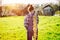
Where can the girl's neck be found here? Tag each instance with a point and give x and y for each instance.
(31, 12)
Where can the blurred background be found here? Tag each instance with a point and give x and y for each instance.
(19, 7)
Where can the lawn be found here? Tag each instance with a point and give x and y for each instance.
(12, 28)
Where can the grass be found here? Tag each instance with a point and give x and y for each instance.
(57, 12)
(12, 28)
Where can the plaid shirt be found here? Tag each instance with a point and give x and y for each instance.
(28, 21)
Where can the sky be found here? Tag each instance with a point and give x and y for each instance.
(29, 1)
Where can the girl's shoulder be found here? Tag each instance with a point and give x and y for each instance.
(27, 16)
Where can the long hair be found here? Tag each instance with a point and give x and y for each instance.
(30, 8)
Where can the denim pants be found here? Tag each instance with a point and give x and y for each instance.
(30, 34)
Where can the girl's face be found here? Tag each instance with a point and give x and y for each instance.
(30, 9)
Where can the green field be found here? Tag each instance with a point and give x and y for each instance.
(12, 28)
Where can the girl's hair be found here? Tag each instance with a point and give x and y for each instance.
(30, 8)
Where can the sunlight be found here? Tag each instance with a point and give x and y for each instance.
(12, 1)
(28, 1)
